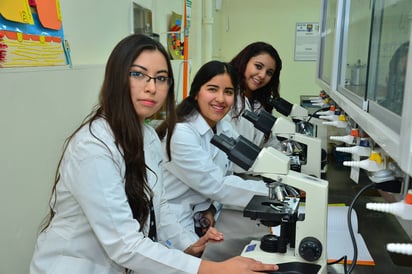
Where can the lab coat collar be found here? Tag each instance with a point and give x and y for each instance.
(149, 134)
(199, 123)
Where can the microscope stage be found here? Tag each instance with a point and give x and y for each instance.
(262, 208)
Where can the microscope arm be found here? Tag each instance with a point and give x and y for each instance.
(268, 165)
(267, 123)
(284, 128)
(310, 239)
(288, 109)
(298, 112)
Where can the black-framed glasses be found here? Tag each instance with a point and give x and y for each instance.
(160, 81)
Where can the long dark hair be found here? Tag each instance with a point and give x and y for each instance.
(239, 63)
(116, 107)
(189, 106)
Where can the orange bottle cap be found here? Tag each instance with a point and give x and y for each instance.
(408, 198)
(355, 132)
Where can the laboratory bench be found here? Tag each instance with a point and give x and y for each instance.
(376, 228)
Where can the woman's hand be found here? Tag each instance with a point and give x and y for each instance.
(209, 215)
(212, 234)
(238, 265)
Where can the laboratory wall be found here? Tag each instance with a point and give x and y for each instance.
(40, 107)
(239, 23)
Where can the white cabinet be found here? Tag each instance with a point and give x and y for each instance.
(365, 67)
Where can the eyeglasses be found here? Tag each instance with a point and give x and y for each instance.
(160, 81)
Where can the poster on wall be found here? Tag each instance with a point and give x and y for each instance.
(175, 41)
(31, 34)
(306, 41)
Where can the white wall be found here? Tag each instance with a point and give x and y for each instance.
(93, 27)
(240, 22)
(39, 108)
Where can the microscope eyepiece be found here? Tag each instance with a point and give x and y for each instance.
(281, 105)
(263, 120)
(240, 151)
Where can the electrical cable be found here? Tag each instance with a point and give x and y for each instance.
(345, 262)
(314, 114)
(352, 235)
(344, 258)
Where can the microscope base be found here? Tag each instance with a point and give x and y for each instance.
(288, 262)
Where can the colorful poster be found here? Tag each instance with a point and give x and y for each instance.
(35, 42)
(175, 40)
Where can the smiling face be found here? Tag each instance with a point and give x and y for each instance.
(215, 98)
(259, 70)
(147, 95)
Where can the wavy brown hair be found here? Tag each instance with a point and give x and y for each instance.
(263, 94)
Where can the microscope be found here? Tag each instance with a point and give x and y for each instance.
(301, 245)
(310, 148)
(297, 113)
(288, 109)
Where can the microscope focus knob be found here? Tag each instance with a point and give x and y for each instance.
(310, 249)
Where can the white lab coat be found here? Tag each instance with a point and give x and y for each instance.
(199, 172)
(93, 230)
(245, 127)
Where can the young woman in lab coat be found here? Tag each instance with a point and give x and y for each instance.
(197, 174)
(258, 68)
(107, 202)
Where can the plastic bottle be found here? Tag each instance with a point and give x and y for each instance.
(373, 163)
(340, 123)
(402, 209)
(319, 98)
(315, 99)
(348, 139)
(331, 111)
(358, 150)
(332, 117)
(321, 103)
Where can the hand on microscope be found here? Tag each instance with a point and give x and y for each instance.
(204, 220)
(211, 235)
(239, 265)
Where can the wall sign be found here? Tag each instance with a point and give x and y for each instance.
(306, 41)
